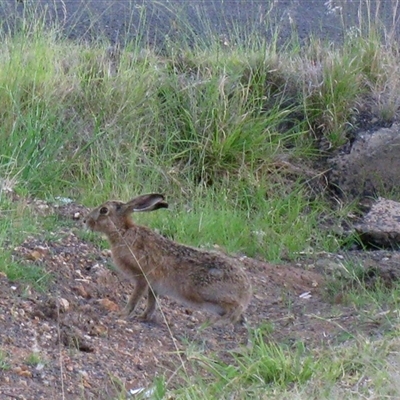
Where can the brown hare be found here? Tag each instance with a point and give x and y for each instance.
(196, 278)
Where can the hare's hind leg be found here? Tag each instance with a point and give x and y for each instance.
(138, 292)
(233, 314)
(236, 317)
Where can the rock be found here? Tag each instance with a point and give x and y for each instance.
(68, 209)
(81, 291)
(381, 225)
(329, 266)
(98, 330)
(42, 208)
(371, 167)
(38, 254)
(23, 371)
(72, 337)
(109, 305)
(64, 304)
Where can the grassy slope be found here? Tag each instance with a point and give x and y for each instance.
(218, 128)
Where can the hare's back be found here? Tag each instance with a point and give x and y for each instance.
(215, 272)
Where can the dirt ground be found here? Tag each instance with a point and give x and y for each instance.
(83, 349)
(154, 21)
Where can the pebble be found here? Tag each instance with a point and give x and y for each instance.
(64, 304)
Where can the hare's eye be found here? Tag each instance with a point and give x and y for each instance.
(103, 210)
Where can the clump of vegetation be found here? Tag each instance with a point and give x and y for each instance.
(222, 130)
(4, 365)
(34, 359)
(269, 370)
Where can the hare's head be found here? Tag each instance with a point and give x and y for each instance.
(116, 215)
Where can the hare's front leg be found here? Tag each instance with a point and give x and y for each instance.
(138, 292)
(151, 305)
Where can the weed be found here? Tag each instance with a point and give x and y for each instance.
(34, 275)
(268, 370)
(4, 365)
(34, 359)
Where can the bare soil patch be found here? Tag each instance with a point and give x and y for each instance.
(87, 351)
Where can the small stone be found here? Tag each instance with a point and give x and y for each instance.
(37, 254)
(327, 265)
(39, 367)
(84, 374)
(81, 291)
(64, 304)
(106, 253)
(22, 371)
(69, 367)
(98, 330)
(109, 305)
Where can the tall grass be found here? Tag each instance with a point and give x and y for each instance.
(209, 123)
(274, 371)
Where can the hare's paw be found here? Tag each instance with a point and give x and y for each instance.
(125, 312)
(147, 317)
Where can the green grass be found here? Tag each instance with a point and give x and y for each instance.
(4, 365)
(375, 299)
(18, 222)
(26, 273)
(230, 131)
(194, 119)
(34, 359)
(270, 370)
(230, 220)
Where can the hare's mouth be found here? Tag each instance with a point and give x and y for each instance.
(89, 224)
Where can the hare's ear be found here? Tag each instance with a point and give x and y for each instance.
(146, 202)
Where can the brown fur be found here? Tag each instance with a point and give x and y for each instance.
(196, 278)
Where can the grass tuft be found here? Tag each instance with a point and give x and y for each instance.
(4, 365)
